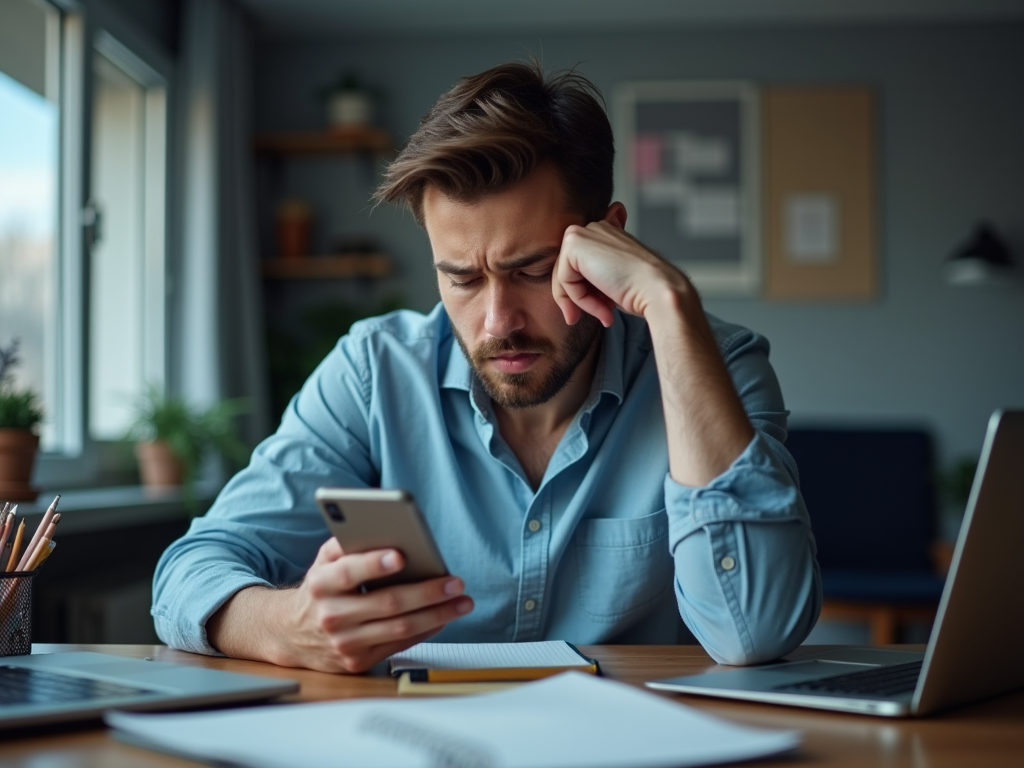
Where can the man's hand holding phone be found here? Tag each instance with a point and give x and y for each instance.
(335, 627)
(385, 589)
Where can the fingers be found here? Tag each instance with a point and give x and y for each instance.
(344, 575)
(353, 630)
(406, 627)
(397, 600)
(574, 293)
(365, 659)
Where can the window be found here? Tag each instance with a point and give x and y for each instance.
(82, 221)
(29, 182)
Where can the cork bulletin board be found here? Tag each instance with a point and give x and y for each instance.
(819, 202)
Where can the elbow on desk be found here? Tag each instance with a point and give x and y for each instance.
(760, 637)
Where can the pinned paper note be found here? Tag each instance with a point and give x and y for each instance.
(811, 228)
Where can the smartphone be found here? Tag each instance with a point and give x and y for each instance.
(364, 519)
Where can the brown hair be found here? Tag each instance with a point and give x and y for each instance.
(493, 129)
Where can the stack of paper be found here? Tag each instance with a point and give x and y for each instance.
(569, 721)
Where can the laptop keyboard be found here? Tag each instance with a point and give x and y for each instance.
(877, 681)
(20, 685)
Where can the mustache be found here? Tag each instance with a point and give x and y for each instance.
(516, 342)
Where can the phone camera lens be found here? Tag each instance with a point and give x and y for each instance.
(335, 512)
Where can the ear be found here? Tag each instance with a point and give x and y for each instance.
(616, 215)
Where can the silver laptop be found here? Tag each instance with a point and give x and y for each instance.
(59, 687)
(980, 611)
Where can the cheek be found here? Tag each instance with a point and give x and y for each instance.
(463, 312)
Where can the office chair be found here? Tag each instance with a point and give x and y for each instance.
(870, 496)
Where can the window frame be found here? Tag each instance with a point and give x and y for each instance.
(76, 460)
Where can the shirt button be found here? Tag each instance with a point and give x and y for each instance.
(728, 563)
(530, 605)
(534, 526)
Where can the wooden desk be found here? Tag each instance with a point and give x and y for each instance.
(986, 734)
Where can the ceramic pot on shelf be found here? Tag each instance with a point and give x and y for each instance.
(293, 225)
(349, 108)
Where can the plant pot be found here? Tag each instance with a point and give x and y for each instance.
(346, 109)
(158, 467)
(18, 448)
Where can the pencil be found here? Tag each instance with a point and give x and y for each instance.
(43, 524)
(37, 555)
(46, 553)
(16, 546)
(52, 527)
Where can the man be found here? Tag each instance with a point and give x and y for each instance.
(596, 457)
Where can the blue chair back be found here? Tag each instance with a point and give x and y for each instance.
(870, 496)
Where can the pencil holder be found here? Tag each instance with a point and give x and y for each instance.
(16, 613)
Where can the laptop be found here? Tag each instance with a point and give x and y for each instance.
(978, 613)
(63, 687)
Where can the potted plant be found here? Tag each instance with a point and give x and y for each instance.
(349, 103)
(173, 439)
(20, 417)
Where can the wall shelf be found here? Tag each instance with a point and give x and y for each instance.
(334, 141)
(321, 267)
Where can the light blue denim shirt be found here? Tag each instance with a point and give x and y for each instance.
(609, 549)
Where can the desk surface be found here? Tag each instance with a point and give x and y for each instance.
(990, 733)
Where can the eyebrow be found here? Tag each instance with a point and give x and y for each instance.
(507, 266)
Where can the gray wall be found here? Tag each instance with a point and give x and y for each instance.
(951, 138)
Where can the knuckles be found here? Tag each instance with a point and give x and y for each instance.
(389, 603)
(402, 628)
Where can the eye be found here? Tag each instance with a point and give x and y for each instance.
(463, 284)
(537, 277)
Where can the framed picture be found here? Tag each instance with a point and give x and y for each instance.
(688, 173)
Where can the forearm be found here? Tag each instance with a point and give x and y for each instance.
(705, 423)
(250, 626)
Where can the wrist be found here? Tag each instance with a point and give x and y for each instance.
(673, 304)
(246, 626)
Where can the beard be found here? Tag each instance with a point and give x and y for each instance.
(530, 388)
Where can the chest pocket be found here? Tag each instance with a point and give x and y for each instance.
(623, 565)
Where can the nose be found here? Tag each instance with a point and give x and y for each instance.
(505, 315)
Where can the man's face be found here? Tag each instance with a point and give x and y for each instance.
(494, 259)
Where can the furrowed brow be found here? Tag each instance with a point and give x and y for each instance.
(454, 269)
(520, 262)
(530, 260)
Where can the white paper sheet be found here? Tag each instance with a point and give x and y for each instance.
(572, 720)
(812, 228)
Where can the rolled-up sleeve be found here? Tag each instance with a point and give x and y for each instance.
(264, 529)
(746, 577)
